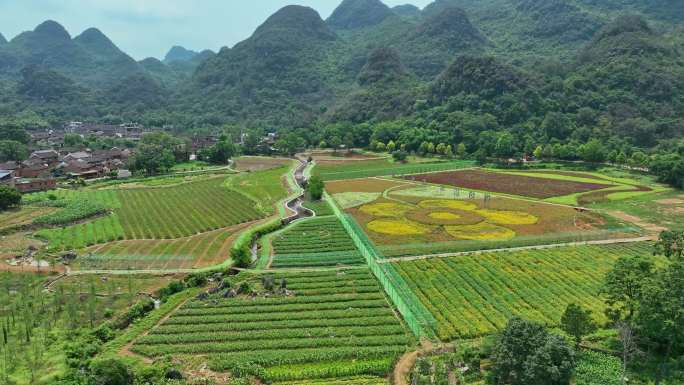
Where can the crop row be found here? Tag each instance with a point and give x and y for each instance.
(376, 367)
(315, 242)
(292, 316)
(188, 209)
(337, 305)
(159, 254)
(475, 295)
(267, 358)
(317, 260)
(269, 344)
(253, 335)
(365, 380)
(336, 324)
(101, 230)
(369, 321)
(277, 301)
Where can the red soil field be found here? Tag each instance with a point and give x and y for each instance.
(507, 184)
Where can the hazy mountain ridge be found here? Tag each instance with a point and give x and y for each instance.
(511, 60)
(355, 14)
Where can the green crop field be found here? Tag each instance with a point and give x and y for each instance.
(384, 167)
(328, 325)
(320, 241)
(171, 212)
(476, 295)
(265, 187)
(198, 251)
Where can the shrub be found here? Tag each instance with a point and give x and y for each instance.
(9, 197)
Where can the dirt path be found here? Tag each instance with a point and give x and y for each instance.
(126, 350)
(404, 367)
(650, 227)
(537, 247)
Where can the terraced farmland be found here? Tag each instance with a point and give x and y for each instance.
(315, 242)
(476, 295)
(198, 251)
(157, 213)
(330, 325)
(188, 209)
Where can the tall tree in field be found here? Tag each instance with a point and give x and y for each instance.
(624, 283)
(577, 322)
(526, 353)
(670, 244)
(315, 188)
(660, 318)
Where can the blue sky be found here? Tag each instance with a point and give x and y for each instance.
(144, 28)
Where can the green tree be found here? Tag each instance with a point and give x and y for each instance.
(538, 152)
(73, 140)
(335, 143)
(152, 159)
(9, 197)
(221, 152)
(556, 125)
(624, 283)
(593, 151)
(111, 372)
(577, 322)
(461, 150)
(670, 244)
(660, 318)
(391, 146)
(315, 188)
(12, 150)
(525, 353)
(505, 146)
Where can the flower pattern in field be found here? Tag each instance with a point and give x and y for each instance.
(460, 219)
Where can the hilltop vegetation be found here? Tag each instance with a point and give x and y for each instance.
(576, 79)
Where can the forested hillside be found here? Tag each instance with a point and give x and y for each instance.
(555, 74)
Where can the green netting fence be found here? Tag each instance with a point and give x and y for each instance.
(419, 319)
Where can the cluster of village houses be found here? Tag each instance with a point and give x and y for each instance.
(54, 160)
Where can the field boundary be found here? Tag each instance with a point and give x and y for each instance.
(416, 316)
(522, 248)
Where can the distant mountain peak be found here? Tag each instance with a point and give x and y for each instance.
(627, 35)
(2, 39)
(384, 64)
(178, 53)
(406, 10)
(296, 18)
(626, 24)
(52, 29)
(93, 38)
(452, 23)
(438, 6)
(355, 14)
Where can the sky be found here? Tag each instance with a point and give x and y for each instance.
(144, 28)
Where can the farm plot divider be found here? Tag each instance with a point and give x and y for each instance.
(417, 317)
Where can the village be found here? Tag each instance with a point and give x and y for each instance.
(53, 158)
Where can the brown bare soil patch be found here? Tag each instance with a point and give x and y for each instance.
(253, 164)
(507, 184)
(670, 202)
(602, 196)
(637, 221)
(371, 185)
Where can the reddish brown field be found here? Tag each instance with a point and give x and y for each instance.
(371, 185)
(252, 164)
(507, 184)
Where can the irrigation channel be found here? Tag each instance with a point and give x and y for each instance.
(295, 205)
